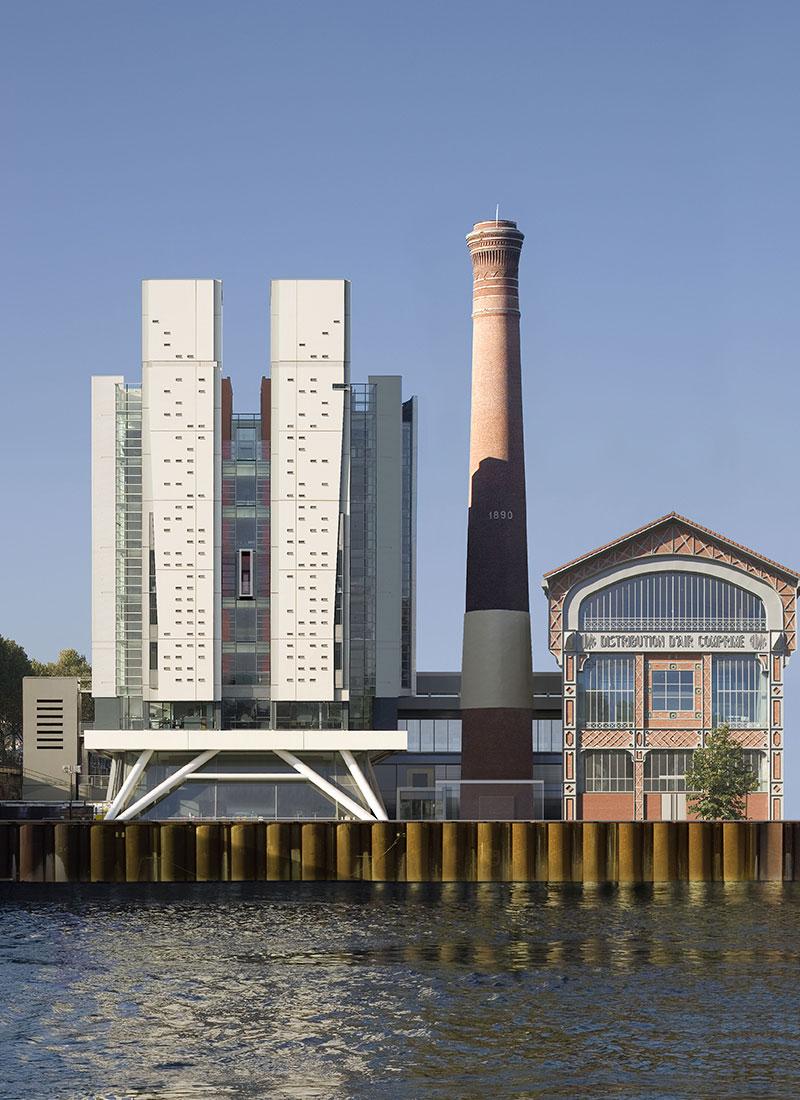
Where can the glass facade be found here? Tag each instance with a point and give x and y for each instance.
(245, 538)
(606, 692)
(409, 537)
(129, 599)
(739, 691)
(188, 716)
(363, 554)
(405, 776)
(672, 601)
(548, 735)
(426, 768)
(432, 734)
(251, 799)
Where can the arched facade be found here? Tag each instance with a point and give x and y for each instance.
(663, 635)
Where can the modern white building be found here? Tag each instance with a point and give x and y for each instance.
(253, 594)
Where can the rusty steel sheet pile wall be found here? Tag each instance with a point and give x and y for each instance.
(412, 851)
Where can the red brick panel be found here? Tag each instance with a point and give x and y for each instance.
(607, 807)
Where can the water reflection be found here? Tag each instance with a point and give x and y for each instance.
(328, 990)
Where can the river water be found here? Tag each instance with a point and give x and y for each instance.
(361, 990)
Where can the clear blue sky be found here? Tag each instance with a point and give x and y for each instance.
(648, 150)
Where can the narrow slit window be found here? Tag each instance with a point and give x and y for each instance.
(245, 572)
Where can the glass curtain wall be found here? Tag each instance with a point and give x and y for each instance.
(363, 553)
(548, 735)
(407, 592)
(432, 734)
(130, 625)
(246, 618)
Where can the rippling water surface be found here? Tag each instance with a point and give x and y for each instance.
(325, 990)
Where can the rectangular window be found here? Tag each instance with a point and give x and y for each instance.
(672, 689)
(606, 692)
(245, 444)
(739, 692)
(245, 575)
(666, 771)
(548, 735)
(756, 761)
(245, 488)
(412, 726)
(440, 739)
(608, 771)
(245, 623)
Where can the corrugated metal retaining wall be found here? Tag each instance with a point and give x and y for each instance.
(414, 851)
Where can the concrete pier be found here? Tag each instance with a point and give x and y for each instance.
(398, 851)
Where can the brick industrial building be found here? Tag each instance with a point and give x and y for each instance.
(662, 635)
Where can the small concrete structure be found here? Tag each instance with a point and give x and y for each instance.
(51, 707)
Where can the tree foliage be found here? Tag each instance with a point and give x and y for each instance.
(71, 663)
(68, 663)
(720, 778)
(14, 664)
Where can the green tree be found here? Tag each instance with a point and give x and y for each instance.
(70, 663)
(14, 664)
(720, 778)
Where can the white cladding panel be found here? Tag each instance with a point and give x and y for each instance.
(104, 617)
(181, 482)
(309, 340)
(181, 319)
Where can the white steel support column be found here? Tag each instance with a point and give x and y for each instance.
(129, 785)
(327, 788)
(168, 785)
(364, 786)
(372, 779)
(113, 776)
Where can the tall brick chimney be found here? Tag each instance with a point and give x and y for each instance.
(497, 673)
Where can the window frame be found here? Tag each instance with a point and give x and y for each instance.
(612, 779)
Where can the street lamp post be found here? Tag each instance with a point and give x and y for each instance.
(72, 769)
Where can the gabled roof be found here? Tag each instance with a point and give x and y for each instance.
(675, 517)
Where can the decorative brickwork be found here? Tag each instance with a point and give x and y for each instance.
(606, 739)
(673, 739)
(638, 785)
(751, 739)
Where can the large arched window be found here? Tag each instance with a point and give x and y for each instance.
(672, 601)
